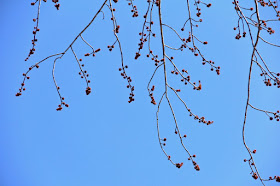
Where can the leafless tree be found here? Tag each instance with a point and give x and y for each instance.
(188, 41)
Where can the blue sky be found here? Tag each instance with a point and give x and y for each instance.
(101, 139)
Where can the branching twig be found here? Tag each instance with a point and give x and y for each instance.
(189, 43)
(270, 78)
(83, 73)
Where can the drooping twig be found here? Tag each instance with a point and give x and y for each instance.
(83, 73)
(161, 62)
(36, 28)
(270, 78)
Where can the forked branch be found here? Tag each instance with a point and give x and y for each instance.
(83, 73)
(165, 61)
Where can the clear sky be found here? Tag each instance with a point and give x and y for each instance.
(101, 139)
